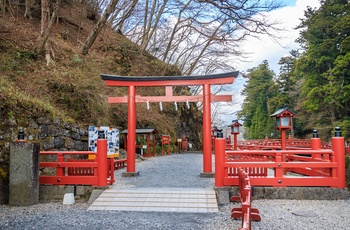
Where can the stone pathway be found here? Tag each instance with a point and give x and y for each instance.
(164, 184)
(195, 200)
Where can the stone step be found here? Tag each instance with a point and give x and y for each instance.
(157, 200)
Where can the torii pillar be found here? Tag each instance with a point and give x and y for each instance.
(169, 81)
(207, 145)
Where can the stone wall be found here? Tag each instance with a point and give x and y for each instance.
(51, 133)
(50, 193)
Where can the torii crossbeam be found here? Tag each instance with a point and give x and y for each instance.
(168, 81)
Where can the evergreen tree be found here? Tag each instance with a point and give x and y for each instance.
(325, 64)
(256, 110)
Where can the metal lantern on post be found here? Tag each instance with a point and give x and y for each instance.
(235, 131)
(214, 132)
(283, 123)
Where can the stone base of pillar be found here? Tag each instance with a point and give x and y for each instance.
(207, 175)
(130, 174)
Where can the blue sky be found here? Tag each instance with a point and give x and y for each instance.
(290, 2)
(265, 48)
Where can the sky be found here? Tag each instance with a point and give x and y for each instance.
(265, 48)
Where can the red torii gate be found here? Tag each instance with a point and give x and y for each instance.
(168, 81)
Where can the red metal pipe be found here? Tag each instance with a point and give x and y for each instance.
(101, 158)
(131, 130)
(339, 154)
(219, 161)
(207, 148)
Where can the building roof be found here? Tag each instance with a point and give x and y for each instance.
(142, 131)
(281, 111)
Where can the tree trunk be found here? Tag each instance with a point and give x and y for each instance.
(152, 28)
(27, 12)
(94, 33)
(47, 31)
(2, 6)
(145, 32)
(45, 15)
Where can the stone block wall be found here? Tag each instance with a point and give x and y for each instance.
(51, 133)
(49, 193)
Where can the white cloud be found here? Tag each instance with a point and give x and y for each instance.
(265, 48)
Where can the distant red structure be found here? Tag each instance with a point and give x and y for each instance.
(165, 141)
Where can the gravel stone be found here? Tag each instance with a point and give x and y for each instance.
(174, 171)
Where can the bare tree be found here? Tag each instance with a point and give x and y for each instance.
(177, 26)
(45, 15)
(128, 8)
(3, 6)
(188, 32)
(94, 33)
(28, 6)
(46, 28)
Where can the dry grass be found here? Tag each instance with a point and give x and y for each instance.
(71, 87)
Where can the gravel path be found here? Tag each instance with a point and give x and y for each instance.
(177, 170)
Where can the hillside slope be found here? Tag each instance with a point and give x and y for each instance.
(70, 86)
(68, 91)
(55, 102)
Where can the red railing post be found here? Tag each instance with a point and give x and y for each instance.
(219, 150)
(338, 147)
(60, 170)
(278, 170)
(101, 158)
(110, 170)
(315, 144)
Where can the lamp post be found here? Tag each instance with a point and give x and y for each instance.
(214, 131)
(283, 123)
(235, 131)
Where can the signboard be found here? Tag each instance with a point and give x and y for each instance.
(104, 132)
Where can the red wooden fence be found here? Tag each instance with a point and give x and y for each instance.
(97, 172)
(325, 167)
(246, 212)
(292, 143)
